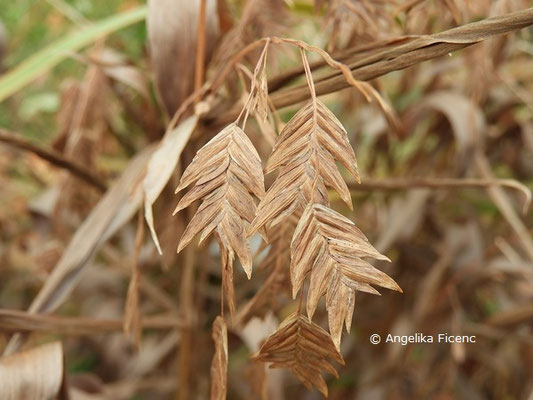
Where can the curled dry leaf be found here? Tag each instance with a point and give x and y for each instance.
(467, 119)
(219, 365)
(305, 153)
(227, 171)
(303, 347)
(34, 374)
(331, 248)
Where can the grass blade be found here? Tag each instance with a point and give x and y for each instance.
(56, 52)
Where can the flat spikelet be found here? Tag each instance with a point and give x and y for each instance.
(330, 248)
(303, 347)
(227, 171)
(306, 153)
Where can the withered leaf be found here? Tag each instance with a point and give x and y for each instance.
(219, 365)
(227, 171)
(114, 210)
(303, 347)
(161, 165)
(33, 374)
(306, 152)
(330, 248)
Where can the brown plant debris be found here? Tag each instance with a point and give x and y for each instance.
(331, 248)
(227, 170)
(305, 153)
(219, 365)
(303, 347)
(33, 374)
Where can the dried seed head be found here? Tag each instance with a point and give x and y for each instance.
(305, 153)
(227, 171)
(303, 347)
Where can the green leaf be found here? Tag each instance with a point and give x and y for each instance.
(56, 52)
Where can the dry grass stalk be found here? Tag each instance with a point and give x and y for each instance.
(21, 321)
(219, 365)
(132, 315)
(53, 157)
(303, 347)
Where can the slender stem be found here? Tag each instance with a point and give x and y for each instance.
(132, 315)
(185, 358)
(397, 57)
(23, 321)
(300, 302)
(310, 83)
(200, 48)
(261, 64)
(54, 158)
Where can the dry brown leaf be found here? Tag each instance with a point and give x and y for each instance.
(219, 365)
(172, 33)
(115, 208)
(403, 218)
(227, 171)
(468, 125)
(303, 347)
(330, 248)
(305, 153)
(161, 165)
(466, 118)
(33, 374)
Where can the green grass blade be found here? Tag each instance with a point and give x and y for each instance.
(54, 53)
